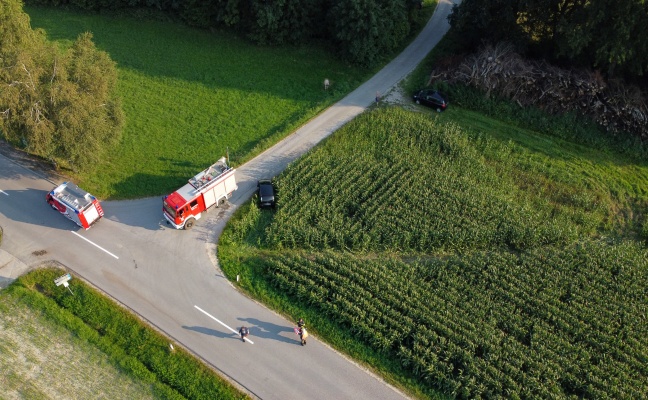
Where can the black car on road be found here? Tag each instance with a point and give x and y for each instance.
(431, 98)
(266, 192)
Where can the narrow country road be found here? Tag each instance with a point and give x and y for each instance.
(171, 278)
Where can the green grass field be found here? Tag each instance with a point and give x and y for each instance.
(190, 95)
(464, 256)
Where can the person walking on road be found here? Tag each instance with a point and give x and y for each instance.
(244, 332)
(303, 334)
(300, 330)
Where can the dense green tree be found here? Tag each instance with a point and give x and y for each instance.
(366, 29)
(87, 117)
(604, 34)
(57, 105)
(475, 22)
(283, 21)
(610, 35)
(25, 59)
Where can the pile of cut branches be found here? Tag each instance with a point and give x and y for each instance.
(499, 70)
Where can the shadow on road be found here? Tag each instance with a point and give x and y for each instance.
(268, 330)
(212, 332)
(39, 213)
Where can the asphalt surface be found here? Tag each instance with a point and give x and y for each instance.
(171, 277)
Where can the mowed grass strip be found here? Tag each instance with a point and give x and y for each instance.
(459, 255)
(88, 322)
(39, 359)
(191, 95)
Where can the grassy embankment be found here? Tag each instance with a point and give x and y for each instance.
(56, 344)
(463, 255)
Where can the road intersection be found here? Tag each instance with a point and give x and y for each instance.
(171, 278)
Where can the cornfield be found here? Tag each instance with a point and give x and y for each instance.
(543, 324)
(401, 230)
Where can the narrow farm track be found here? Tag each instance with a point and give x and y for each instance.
(171, 278)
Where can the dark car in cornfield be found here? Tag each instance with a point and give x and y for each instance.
(431, 98)
(266, 192)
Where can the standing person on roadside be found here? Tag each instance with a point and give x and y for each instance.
(301, 331)
(244, 332)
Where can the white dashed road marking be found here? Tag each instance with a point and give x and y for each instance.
(217, 320)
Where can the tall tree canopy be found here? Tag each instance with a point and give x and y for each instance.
(606, 34)
(364, 29)
(361, 30)
(58, 105)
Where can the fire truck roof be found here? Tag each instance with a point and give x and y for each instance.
(72, 195)
(213, 172)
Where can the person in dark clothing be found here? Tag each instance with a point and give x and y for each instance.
(244, 331)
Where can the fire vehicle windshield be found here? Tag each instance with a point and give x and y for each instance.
(169, 210)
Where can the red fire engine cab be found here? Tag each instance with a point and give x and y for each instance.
(76, 204)
(210, 187)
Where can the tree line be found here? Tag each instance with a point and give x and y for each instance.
(607, 35)
(57, 104)
(361, 31)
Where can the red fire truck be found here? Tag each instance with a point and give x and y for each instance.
(210, 187)
(76, 204)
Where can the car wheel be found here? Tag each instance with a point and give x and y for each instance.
(221, 202)
(190, 223)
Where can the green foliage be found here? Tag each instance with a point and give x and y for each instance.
(466, 317)
(386, 151)
(58, 106)
(365, 29)
(283, 21)
(570, 127)
(603, 34)
(136, 348)
(476, 21)
(189, 96)
(492, 324)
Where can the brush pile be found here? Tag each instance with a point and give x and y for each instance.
(500, 71)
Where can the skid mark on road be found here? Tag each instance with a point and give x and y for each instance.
(217, 320)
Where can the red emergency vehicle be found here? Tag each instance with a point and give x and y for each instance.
(210, 187)
(76, 204)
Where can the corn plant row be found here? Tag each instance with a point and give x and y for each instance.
(421, 189)
(497, 331)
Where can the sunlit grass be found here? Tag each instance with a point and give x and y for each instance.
(190, 96)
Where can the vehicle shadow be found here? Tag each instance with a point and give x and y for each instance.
(15, 202)
(268, 330)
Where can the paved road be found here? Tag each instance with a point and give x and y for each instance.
(171, 278)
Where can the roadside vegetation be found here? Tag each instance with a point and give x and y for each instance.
(461, 255)
(58, 104)
(189, 96)
(56, 344)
